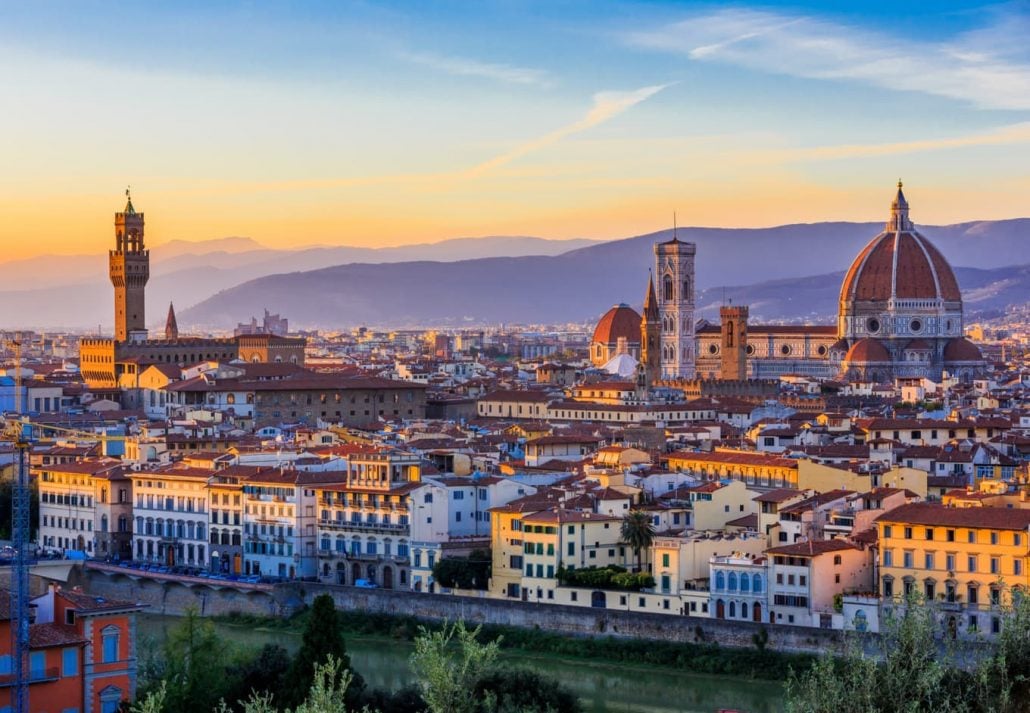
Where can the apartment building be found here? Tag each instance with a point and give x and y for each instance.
(363, 525)
(279, 522)
(76, 511)
(82, 653)
(453, 519)
(972, 561)
(171, 515)
(804, 578)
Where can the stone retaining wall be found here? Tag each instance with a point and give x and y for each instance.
(173, 598)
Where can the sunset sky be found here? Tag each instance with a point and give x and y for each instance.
(383, 124)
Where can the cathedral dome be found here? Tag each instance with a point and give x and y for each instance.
(620, 321)
(900, 265)
(866, 351)
(961, 350)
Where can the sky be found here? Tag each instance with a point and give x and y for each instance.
(376, 124)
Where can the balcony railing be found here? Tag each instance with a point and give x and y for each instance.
(363, 526)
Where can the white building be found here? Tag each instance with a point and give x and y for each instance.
(171, 514)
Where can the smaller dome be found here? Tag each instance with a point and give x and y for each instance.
(621, 365)
(867, 350)
(620, 321)
(841, 345)
(961, 350)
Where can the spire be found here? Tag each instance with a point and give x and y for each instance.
(899, 213)
(129, 210)
(651, 313)
(171, 326)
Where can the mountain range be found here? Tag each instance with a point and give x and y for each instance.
(786, 273)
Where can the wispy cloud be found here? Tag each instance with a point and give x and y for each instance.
(465, 67)
(1005, 135)
(989, 68)
(606, 106)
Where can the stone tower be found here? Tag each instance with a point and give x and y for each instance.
(650, 370)
(734, 342)
(171, 324)
(129, 269)
(674, 266)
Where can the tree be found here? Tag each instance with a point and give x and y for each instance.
(322, 639)
(194, 666)
(522, 691)
(916, 668)
(448, 678)
(472, 572)
(264, 672)
(638, 533)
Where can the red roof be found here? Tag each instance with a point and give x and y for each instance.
(939, 515)
(811, 548)
(901, 265)
(961, 350)
(620, 321)
(867, 350)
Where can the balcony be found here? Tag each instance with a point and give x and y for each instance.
(37, 676)
(364, 526)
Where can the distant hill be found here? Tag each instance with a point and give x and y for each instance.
(244, 259)
(535, 280)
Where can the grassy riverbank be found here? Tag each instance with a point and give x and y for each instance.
(698, 657)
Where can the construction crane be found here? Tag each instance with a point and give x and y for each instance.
(21, 431)
(20, 540)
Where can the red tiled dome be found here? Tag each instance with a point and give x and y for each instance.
(841, 345)
(961, 350)
(901, 265)
(620, 321)
(867, 350)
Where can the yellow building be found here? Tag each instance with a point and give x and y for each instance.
(972, 560)
(757, 469)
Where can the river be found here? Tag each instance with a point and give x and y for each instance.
(603, 687)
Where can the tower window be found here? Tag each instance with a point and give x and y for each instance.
(729, 333)
(667, 288)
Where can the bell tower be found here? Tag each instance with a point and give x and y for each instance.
(650, 369)
(734, 342)
(674, 269)
(129, 268)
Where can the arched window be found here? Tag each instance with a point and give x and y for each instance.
(733, 582)
(743, 610)
(729, 334)
(686, 289)
(667, 288)
(745, 583)
(733, 610)
(756, 581)
(720, 581)
(230, 399)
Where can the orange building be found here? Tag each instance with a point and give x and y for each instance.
(82, 653)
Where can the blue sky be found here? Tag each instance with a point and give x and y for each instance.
(388, 123)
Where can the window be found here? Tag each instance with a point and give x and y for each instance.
(70, 661)
(37, 664)
(928, 561)
(888, 531)
(110, 638)
(929, 533)
(907, 559)
(971, 563)
(908, 533)
(888, 558)
(994, 538)
(665, 559)
(971, 536)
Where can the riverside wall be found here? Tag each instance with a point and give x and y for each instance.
(174, 598)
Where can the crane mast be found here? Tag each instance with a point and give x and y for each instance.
(20, 540)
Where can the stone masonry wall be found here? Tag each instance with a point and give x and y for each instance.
(173, 598)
